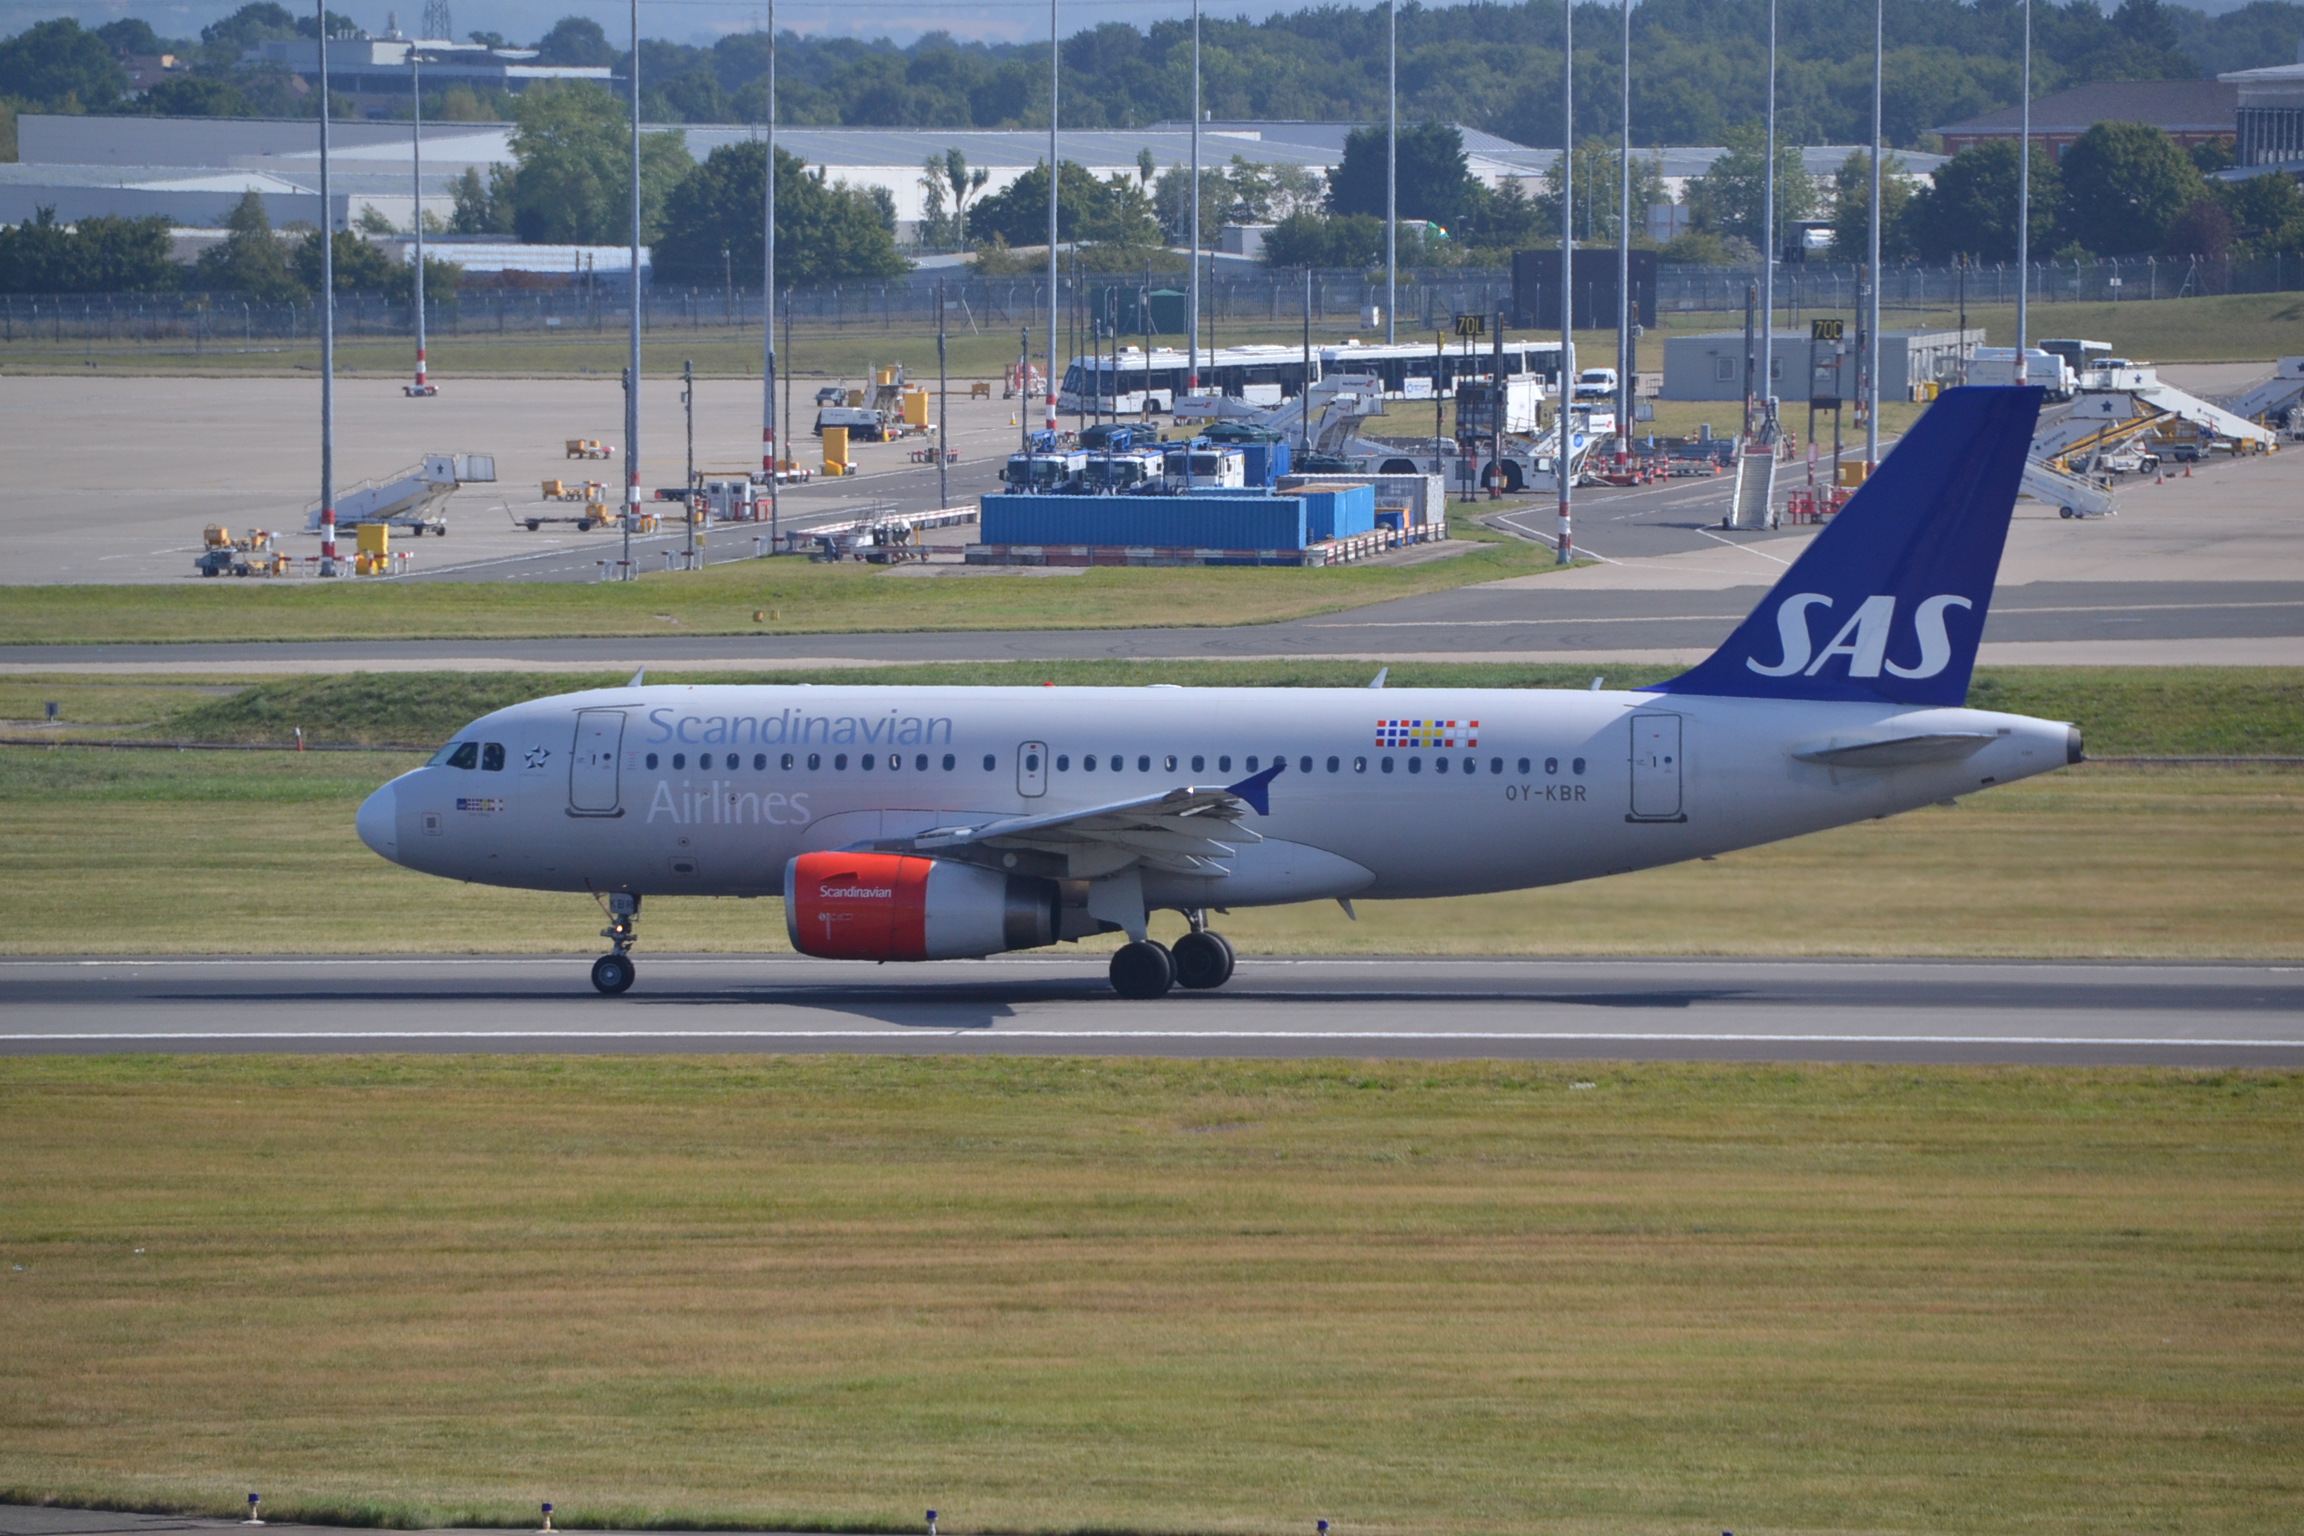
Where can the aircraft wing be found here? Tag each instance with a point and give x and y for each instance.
(1187, 830)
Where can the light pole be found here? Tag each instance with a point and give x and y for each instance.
(1192, 288)
(632, 367)
(768, 450)
(2024, 209)
(1565, 549)
(416, 161)
(1624, 348)
(1391, 166)
(1055, 180)
(688, 407)
(1768, 251)
(943, 409)
(327, 325)
(1872, 259)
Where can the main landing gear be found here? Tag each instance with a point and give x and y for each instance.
(614, 972)
(1201, 959)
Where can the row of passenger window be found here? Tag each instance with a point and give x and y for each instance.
(892, 762)
(1117, 762)
(1111, 762)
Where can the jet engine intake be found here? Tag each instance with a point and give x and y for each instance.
(894, 906)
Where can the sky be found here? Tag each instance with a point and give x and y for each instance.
(703, 21)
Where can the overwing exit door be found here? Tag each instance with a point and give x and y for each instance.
(1656, 768)
(1032, 769)
(592, 766)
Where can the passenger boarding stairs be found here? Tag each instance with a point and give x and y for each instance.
(2112, 393)
(2271, 399)
(410, 498)
(1753, 505)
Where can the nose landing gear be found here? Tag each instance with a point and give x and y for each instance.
(614, 972)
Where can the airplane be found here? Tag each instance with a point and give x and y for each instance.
(903, 823)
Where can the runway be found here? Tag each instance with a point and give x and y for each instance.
(2035, 1012)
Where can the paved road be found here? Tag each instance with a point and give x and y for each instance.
(2233, 1015)
(1500, 621)
(53, 1520)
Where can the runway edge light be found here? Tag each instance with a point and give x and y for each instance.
(546, 1529)
(254, 1499)
(931, 1523)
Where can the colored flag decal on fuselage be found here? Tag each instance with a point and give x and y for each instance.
(1427, 733)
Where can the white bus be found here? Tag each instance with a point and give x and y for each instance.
(1135, 381)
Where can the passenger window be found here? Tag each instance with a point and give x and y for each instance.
(703, 759)
(785, 762)
(1439, 765)
(1387, 765)
(949, 762)
(1088, 763)
(815, 761)
(865, 762)
(1304, 765)
(1415, 765)
(1577, 767)
(759, 762)
(679, 759)
(1251, 762)
(1199, 765)
(1169, 762)
(1063, 762)
(492, 757)
(466, 755)
(1224, 764)
(920, 763)
(1551, 766)
(1359, 765)
(840, 760)
(1143, 763)
(1496, 765)
(1332, 764)
(651, 759)
(989, 762)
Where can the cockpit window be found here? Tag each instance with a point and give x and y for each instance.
(457, 754)
(492, 757)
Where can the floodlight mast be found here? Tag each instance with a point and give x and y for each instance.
(1564, 550)
(1192, 289)
(1624, 309)
(416, 163)
(1872, 259)
(1768, 251)
(2024, 210)
(632, 369)
(327, 328)
(1055, 181)
(1391, 168)
(769, 453)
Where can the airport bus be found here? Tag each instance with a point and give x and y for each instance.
(1133, 381)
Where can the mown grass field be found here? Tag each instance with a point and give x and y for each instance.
(216, 852)
(789, 596)
(1068, 1296)
(2166, 330)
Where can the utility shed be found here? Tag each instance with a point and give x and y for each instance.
(1711, 366)
(1200, 521)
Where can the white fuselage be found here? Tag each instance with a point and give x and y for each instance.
(710, 790)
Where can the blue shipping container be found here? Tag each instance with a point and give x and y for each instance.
(1236, 521)
(1338, 511)
(1265, 462)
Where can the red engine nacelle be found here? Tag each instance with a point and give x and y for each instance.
(893, 906)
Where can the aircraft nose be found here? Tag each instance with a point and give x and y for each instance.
(379, 822)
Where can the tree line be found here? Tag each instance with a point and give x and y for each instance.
(1697, 66)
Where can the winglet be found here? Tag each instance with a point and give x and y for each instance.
(639, 679)
(1381, 674)
(1256, 788)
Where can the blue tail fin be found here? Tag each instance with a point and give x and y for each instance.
(1888, 603)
